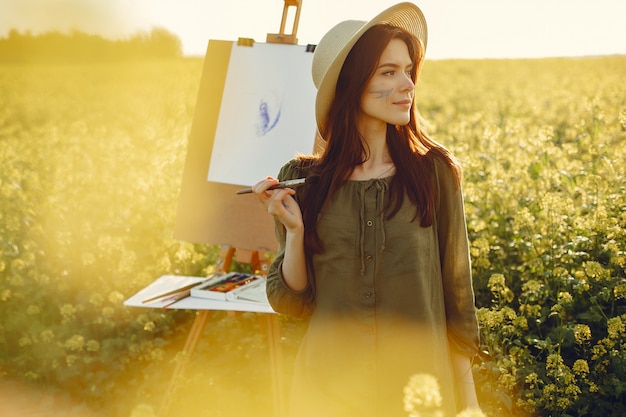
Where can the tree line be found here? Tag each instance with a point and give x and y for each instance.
(78, 46)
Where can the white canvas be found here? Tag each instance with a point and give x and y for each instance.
(267, 114)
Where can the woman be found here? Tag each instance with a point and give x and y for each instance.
(373, 250)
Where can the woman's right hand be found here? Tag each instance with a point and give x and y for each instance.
(280, 204)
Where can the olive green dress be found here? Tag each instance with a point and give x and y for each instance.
(386, 299)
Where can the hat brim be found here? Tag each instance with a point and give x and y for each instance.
(406, 16)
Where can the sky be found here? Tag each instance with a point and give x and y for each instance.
(457, 28)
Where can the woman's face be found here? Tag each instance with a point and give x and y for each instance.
(388, 96)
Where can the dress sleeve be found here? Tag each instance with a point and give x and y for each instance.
(456, 269)
(283, 299)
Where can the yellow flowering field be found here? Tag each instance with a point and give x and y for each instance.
(542, 145)
(91, 158)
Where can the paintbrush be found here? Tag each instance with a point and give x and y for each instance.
(283, 184)
(173, 292)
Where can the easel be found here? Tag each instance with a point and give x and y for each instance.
(259, 264)
(256, 259)
(281, 37)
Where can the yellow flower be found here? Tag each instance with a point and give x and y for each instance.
(581, 367)
(507, 381)
(115, 297)
(108, 311)
(582, 333)
(92, 346)
(31, 376)
(598, 350)
(25, 341)
(96, 299)
(558, 308)
(47, 336)
(71, 359)
(488, 318)
(32, 310)
(532, 286)
(549, 392)
(75, 343)
(533, 311)
(565, 298)
(521, 323)
(496, 282)
(620, 291)
(560, 272)
(479, 250)
(532, 380)
(531, 291)
(554, 363)
(595, 271)
(524, 219)
(616, 327)
(67, 311)
(508, 313)
(572, 390)
(563, 402)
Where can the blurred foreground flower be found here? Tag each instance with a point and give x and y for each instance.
(471, 412)
(422, 397)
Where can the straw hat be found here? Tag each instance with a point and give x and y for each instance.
(333, 48)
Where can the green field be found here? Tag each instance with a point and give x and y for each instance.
(91, 158)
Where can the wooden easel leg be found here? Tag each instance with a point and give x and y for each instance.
(222, 264)
(190, 346)
(276, 363)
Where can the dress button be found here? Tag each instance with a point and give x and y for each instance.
(370, 223)
(368, 294)
(369, 257)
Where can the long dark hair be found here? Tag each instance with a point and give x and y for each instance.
(410, 146)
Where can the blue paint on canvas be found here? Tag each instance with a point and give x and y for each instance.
(268, 117)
